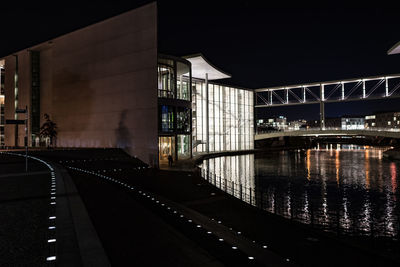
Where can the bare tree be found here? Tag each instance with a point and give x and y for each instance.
(48, 129)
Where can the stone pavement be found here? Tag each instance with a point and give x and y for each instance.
(44, 221)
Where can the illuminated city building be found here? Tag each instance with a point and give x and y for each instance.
(352, 123)
(107, 85)
(383, 120)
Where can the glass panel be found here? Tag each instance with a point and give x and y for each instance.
(166, 79)
(166, 146)
(183, 120)
(166, 124)
(183, 146)
(230, 118)
(183, 80)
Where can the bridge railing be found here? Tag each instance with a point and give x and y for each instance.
(381, 129)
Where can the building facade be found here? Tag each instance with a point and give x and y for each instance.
(229, 124)
(2, 121)
(352, 123)
(106, 85)
(278, 123)
(388, 120)
(174, 107)
(97, 83)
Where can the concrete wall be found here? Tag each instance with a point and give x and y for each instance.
(99, 84)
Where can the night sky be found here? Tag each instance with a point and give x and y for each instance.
(259, 45)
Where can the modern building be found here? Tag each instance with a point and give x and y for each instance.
(278, 123)
(296, 125)
(383, 120)
(352, 123)
(107, 85)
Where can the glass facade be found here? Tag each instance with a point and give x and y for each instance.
(183, 146)
(166, 121)
(230, 118)
(183, 120)
(194, 119)
(183, 83)
(166, 78)
(174, 108)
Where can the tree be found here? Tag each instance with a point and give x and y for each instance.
(48, 129)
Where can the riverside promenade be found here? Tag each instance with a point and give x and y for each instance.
(147, 217)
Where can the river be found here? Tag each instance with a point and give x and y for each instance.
(351, 190)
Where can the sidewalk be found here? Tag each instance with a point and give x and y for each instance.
(24, 210)
(44, 221)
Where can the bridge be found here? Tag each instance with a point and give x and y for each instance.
(368, 88)
(382, 132)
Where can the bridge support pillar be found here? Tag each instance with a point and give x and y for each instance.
(322, 115)
(322, 108)
(207, 118)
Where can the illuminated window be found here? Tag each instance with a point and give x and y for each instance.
(389, 122)
(166, 124)
(230, 118)
(183, 119)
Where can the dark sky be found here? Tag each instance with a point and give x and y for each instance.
(260, 45)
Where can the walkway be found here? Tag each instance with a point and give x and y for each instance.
(391, 133)
(44, 221)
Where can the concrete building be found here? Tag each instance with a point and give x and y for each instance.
(107, 85)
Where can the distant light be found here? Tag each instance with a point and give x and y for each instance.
(251, 258)
(51, 240)
(51, 258)
(265, 247)
(52, 227)
(234, 247)
(221, 239)
(52, 217)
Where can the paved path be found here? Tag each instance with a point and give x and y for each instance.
(44, 221)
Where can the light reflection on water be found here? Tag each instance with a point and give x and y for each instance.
(350, 189)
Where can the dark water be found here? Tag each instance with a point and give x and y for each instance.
(351, 190)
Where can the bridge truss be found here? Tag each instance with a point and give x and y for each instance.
(369, 88)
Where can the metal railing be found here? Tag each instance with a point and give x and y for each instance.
(380, 129)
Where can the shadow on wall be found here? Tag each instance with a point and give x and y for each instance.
(122, 133)
(73, 99)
